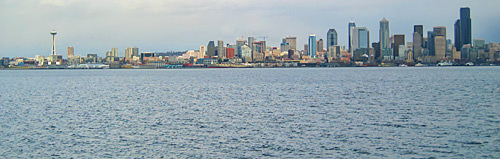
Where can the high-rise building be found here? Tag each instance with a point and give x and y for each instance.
(251, 40)
(230, 53)
(203, 50)
(128, 54)
(463, 28)
(319, 45)
(331, 38)
(71, 52)
(284, 46)
(211, 49)
(114, 52)
(312, 46)
(246, 53)
(239, 43)
(439, 47)
(135, 51)
(399, 39)
(360, 42)
(221, 51)
(350, 29)
(418, 41)
(306, 49)
(384, 34)
(292, 42)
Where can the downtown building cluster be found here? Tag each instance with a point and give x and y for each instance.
(429, 48)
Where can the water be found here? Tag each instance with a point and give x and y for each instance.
(450, 112)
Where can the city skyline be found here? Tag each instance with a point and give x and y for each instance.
(26, 40)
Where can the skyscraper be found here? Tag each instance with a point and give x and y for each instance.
(399, 39)
(221, 51)
(239, 43)
(135, 51)
(360, 42)
(203, 50)
(465, 26)
(350, 29)
(292, 42)
(211, 49)
(319, 45)
(331, 38)
(312, 46)
(439, 42)
(457, 34)
(71, 52)
(384, 34)
(418, 41)
(384, 41)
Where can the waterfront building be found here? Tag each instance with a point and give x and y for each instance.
(246, 53)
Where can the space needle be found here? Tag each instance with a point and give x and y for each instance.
(53, 33)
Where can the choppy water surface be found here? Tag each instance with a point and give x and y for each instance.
(450, 112)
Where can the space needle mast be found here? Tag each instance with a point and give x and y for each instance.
(53, 33)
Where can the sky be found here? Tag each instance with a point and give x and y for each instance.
(96, 26)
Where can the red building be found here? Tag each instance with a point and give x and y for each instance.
(230, 53)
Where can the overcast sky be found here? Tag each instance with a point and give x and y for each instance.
(96, 26)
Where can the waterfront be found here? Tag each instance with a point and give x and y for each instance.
(449, 112)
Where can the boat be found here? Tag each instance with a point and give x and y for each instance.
(228, 66)
(469, 64)
(447, 63)
(419, 65)
(403, 65)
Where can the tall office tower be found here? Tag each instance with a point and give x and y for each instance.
(221, 51)
(114, 52)
(465, 26)
(292, 42)
(211, 49)
(384, 34)
(384, 40)
(430, 44)
(135, 51)
(251, 40)
(376, 48)
(331, 38)
(306, 49)
(458, 43)
(128, 54)
(71, 52)
(350, 29)
(284, 46)
(438, 44)
(360, 42)
(53, 33)
(418, 41)
(239, 43)
(203, 50)
(319, 45)
(399, 39)
(312, 46)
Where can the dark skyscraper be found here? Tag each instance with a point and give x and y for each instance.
(457, 34)
(399, 39)
(464, 29)
(211, 49)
